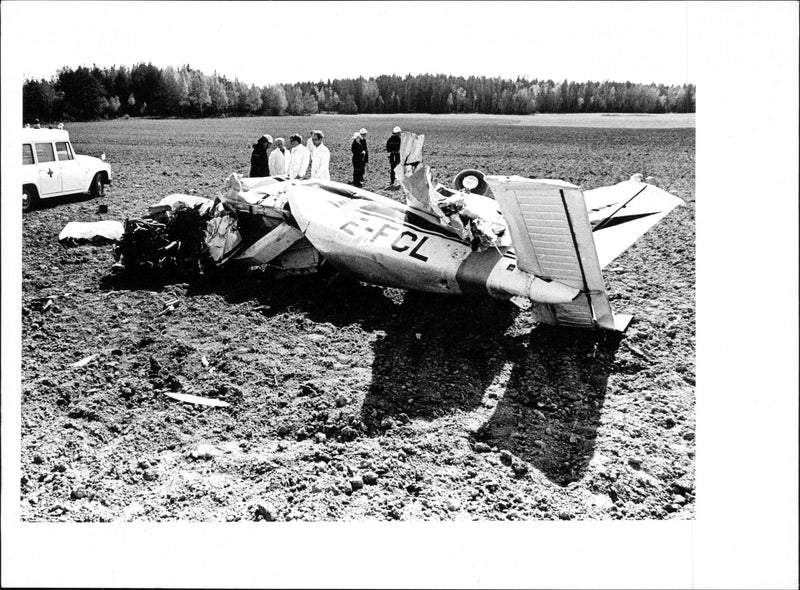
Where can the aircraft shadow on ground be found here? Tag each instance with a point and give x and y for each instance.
(550, 410)
(436, 354)
(547, 386)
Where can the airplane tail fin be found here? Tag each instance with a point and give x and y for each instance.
(553, 239)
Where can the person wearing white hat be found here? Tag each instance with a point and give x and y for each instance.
(393, 147)
(358, 148)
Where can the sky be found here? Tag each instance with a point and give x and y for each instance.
(274, 42)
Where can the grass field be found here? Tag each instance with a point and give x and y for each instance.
(349, 401)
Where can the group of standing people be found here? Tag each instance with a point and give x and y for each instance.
(293, 161)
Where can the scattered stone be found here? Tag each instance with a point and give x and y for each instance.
(635, 462)
(683, 486)
(453, 504)
(387, 424)
(38, 460)
(519, 467)
(150, 475)
(341, 401)
(283, 430)
(671, 507)
(540, 443)
(678, 499)
(482, 447)
(204, 452)
(320, 437)
(356, 483)
(59, 468)
(370, 478)
(409, 450)
(266, 512)
(144, 464)
(669, 422)
(308, 388)
(564, 515)
(78, 493)
(688, 435)
(413, 488)
(348, 433)
(506, 457)
(403, 417)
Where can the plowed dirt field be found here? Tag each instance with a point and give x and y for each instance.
(349, 401)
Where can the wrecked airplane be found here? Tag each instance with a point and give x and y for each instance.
(540, 243)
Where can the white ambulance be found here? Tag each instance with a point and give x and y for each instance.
(51, 168)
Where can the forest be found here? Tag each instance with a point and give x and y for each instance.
(85, 94)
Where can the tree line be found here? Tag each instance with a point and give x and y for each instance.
(145, 90)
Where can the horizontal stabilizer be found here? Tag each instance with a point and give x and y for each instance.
(622, 213)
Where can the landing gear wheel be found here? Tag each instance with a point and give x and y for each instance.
(472, 181)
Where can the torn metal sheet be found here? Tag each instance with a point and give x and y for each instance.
(222, 237)
(410, 153)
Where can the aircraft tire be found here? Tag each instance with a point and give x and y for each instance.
(479, 189)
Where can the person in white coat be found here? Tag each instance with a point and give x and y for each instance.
(279, 159)
(320, 158)
(310, 142)
(299, 157)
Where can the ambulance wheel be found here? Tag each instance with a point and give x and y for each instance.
(472, 181)
(98, 188)
(29, 198)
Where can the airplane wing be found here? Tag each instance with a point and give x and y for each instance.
(561, 236)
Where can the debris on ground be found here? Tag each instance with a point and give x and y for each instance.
(173, 240)
(98, 233)
(196, 399)
(85, 361)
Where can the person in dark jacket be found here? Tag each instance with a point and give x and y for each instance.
(259, 161)
(363, 134)
(359, 149)
(393, 147)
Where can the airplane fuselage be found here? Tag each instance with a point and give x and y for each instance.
(387, 243)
